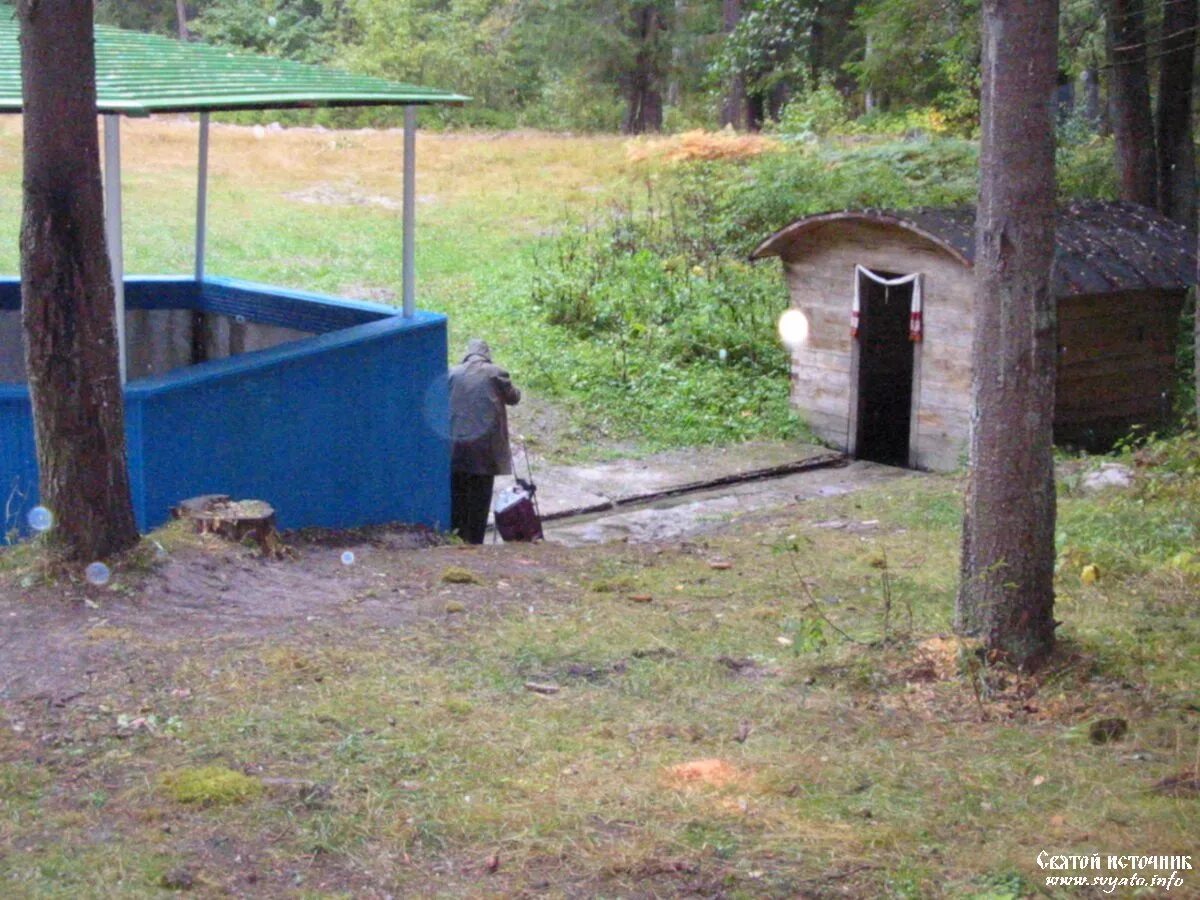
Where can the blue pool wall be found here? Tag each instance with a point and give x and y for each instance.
(342, 429)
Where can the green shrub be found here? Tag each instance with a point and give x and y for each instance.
(671, 330)
(574, 103)
(815, 113)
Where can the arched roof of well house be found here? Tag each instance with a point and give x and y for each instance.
(1104, 247)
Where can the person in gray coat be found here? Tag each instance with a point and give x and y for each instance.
(479, 392)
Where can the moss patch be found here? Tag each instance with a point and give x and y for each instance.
(459, 575)
(210, 786)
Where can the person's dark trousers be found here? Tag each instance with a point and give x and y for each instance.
(470, 501)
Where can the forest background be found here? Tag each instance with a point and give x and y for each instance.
(643, 65)
(662, 326)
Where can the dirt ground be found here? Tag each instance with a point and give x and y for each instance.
(379, 682)
(60, 631)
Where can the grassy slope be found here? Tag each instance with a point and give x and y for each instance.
(483, 201)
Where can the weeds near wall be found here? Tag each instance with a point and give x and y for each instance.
(679, 330)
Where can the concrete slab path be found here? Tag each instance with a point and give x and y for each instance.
(566, 488)
(613, 491)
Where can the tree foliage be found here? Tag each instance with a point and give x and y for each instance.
(294, 29)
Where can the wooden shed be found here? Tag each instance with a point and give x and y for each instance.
(885, 372)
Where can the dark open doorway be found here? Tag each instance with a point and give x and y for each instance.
(885, 371)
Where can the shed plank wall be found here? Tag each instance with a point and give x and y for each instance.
(1116, 364)
(822, 286)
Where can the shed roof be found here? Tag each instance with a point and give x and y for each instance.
(139, 74)
(1103, 246)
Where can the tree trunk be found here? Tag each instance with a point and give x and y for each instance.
(756, 111)
(869, 96)
(1176, 150)
(67, 291)
(1129, 100)
(1006, 598)
(674, 85)
(816, 47)
(643, 84)
(733, 106)
(181, 19)
(1092, 109)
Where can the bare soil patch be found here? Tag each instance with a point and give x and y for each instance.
(60, 632)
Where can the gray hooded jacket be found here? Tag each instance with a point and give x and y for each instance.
(479, 393)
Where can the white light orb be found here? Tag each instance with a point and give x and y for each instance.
(97, 573)
(41, 519)
(793, 328)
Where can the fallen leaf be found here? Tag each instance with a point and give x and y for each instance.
(542, 687)
(716, 772)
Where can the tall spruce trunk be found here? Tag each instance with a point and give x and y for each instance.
(1129, 101)
(644, 81)
(67, 291)
(733, 105)
(181, 20)
(1176, 148)
(1006, 597)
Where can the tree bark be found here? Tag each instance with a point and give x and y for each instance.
(1129, 100)
(869, 96)
(1091, 98)
(643, 83)
(674, 86)
(1176, 149)
(181, 20)
(67, 291)
(733, 105)
(816, 47)
(1006, 597)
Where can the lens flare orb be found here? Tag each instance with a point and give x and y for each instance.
(41, 519)
(793, 328)
(97, 573)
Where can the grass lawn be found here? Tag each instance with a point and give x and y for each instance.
(320, 210)
(775, 711)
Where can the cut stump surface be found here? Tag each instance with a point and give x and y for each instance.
(234, 520)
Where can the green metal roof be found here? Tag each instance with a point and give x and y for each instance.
(139, 74)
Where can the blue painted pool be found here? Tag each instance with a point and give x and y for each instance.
(333, 411)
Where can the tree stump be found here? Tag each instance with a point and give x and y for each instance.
(234, 520)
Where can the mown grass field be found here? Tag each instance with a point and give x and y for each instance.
(320, 210)
(776, 711)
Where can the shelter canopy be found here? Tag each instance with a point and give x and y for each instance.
(141, 74)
